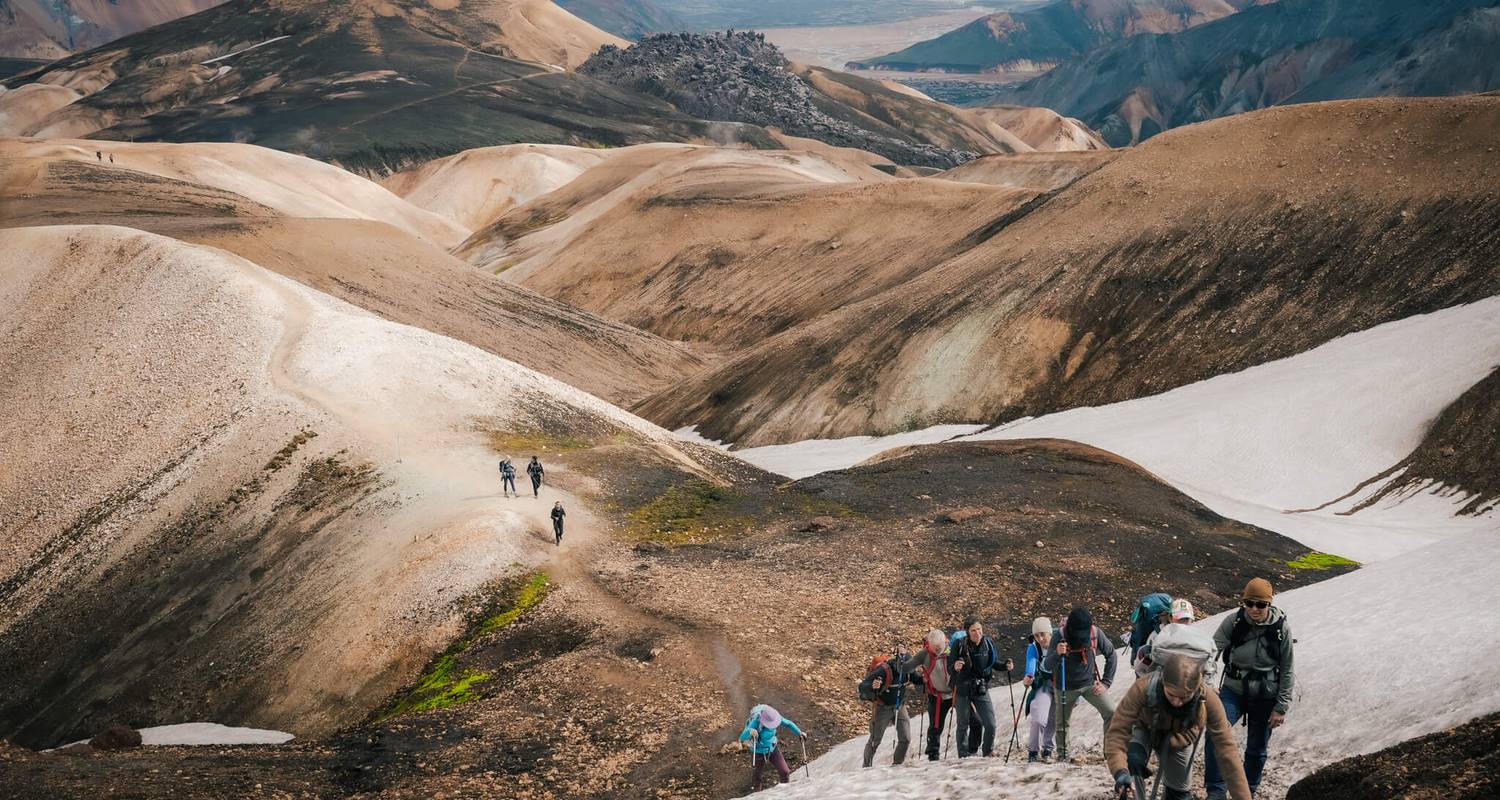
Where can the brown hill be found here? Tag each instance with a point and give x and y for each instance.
(1039, 171)
(338, 233)
(730, 248)
(1218, 247)
(1042, 128)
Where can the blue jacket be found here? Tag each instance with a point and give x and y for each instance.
(765, 738)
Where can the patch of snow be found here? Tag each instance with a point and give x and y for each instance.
(812, 456)
(1354, 692)
(243, 50)
(1264, 444)
(202, 733)
(223, 70)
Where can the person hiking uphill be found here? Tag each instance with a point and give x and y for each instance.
(931, 665)
(1166, 712)
(972, 660)
(534, 469)
(1256, 645)
(1153, 612)
(1042, 726)
(557, 521)
(1075, 668)
(1182, 614)
(760, 732)
(507, 478)
(885, 686)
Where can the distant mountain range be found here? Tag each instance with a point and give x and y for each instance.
(629, 18)
(1040, 38)
(1288, 52)
(48, 29)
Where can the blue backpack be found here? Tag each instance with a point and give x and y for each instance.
(1143, 619)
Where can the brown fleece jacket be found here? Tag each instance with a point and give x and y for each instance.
(1135, 710)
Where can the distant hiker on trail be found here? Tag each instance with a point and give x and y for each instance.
(1256, 645)
(1038, 705)
(931, 664)
(99, 154)
(507, 478)
(1166, 712)
(557, 521)
(1149, 615)
(885, 686)
(1074, 666)
(1182, 614)
(973, 660)
(534, 469)
(111, 158)
(760, 731)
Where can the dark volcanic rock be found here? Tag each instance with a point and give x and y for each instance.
(1458, 764)
(740, 77)
(116, 737)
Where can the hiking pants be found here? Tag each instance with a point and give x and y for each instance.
(1259, 713)
(1173, 765)
(776, 760)
(1065, 706)
(557, 530)
(1043, 726)
(508, 483)
(884, 716)
(975, 723)
(937, 716)
(536, 485)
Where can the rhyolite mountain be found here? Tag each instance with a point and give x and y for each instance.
(49, 29)
(1292, 51)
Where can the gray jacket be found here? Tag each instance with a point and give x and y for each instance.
(1253, 671)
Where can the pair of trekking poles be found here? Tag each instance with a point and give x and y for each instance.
(767, 757)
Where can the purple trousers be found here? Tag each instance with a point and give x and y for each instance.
(776, 760)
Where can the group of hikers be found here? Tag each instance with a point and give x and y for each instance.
(1167, 711)
(535, 471)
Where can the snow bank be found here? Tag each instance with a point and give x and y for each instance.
(199, 733)
(1265, 443)
(1372, 670)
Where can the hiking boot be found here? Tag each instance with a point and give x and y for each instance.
(1031, 757)
(1046, 756)
(1218, 794)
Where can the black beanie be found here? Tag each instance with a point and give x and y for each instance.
(1076, 630)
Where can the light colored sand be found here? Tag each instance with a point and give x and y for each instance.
(1043, 128)
(24, 107)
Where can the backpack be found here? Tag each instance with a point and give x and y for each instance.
(1143, 619)
(893, 680)
(1240, 634)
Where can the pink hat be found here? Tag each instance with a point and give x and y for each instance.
(770, 717)
(1182, 610)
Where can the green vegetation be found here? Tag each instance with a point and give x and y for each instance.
(688, 513)
(1321, 561)
(525, 443)
(447, 682)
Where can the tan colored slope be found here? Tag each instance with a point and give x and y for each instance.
(371, 264)
(1041, 171)
(540, 31)
(22, 108)
(245, 501)
(1042, 128)
(292, 185)
(475, 187)
(1210, 249)
(728, 247)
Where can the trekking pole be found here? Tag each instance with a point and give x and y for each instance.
(805, 766)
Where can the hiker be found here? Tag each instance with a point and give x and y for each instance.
(557, 521)
(885, 686)
(507, 478)
(1154, 611)
(1038, 704)
(1166, 712)
(931, 665)
(973, 660)
(760, 731)
(1075, 668)
(111, 158)
(1256, 646)
(534, 469)
(1182, 614)
(99, 154)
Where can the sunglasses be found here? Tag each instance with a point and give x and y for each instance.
(1255, 604)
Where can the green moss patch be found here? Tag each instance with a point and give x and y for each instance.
(450, 682)
(688, 513)
(1321, 561)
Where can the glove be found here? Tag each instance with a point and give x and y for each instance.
(1122, 783)
(1137, 757)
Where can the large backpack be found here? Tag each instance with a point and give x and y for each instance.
(1182, 641)
(1143, 619)
(894, 679)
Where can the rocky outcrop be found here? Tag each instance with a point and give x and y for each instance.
(741, 77)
